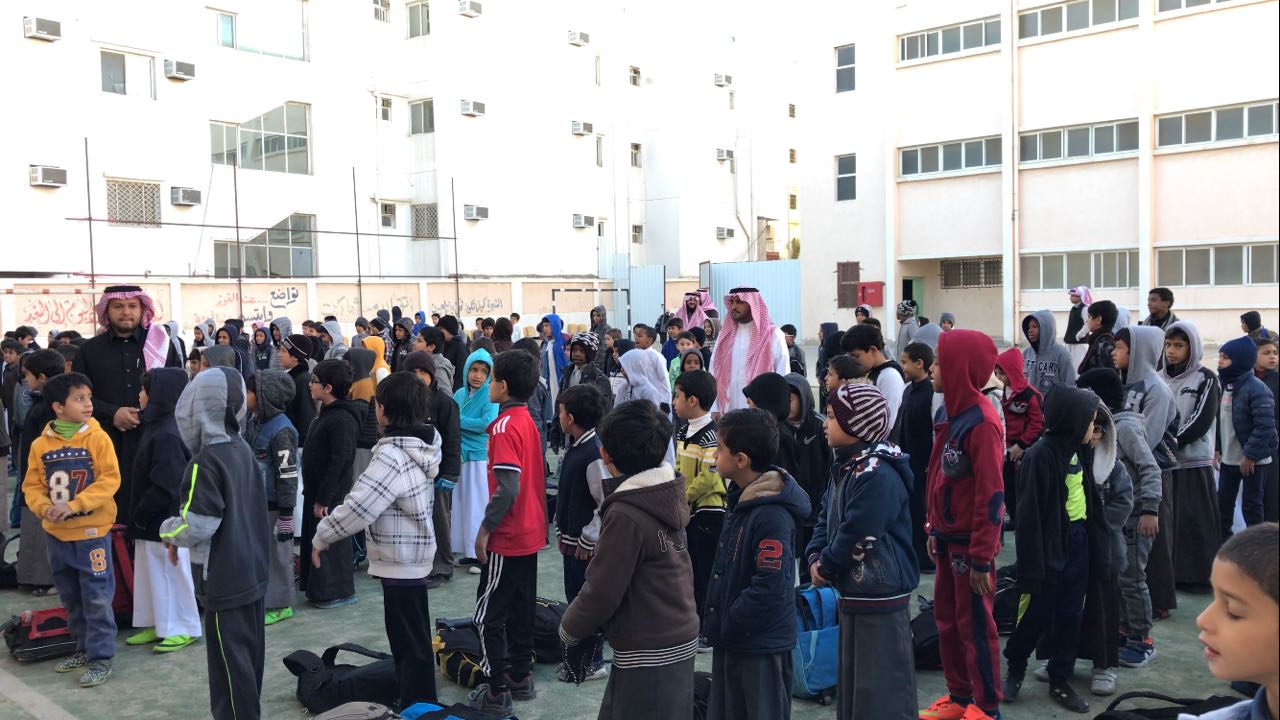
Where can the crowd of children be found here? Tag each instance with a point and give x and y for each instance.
(684, 526)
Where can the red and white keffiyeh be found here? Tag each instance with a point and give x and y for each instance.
(699, 314)
(125, 292)
(759, 353)
(155, 352)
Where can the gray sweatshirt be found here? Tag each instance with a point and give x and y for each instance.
(1135, 453)
(1196, 396)
(1046, 362)
(1145, 391)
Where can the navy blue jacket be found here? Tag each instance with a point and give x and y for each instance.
(862, 540)
(750, 598)
(1253, 416)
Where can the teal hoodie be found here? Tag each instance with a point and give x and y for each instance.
(475, 412)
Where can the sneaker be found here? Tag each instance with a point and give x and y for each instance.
(1068, 698)
(973, 712)
(704, 645)
(146, 637)
(481, 699)
(562, 673)
(436, 581)
(944, 708)
(75, 662)
(1160, 614)
(42, 590)
(1013, 685)
(474, 569)
(173, 643)
(1104, 682)
(277, 615)
(1138, 653)
(522, 690)
(599, 672)
(97, 674)
(340, 602)
(1042, 672)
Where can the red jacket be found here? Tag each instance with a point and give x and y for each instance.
(965, 489)
(1023, 404)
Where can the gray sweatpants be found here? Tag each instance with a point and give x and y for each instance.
(281, 589)
(1135, 599)
(750, 687)
(877, 667)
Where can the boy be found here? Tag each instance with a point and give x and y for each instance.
(275, 451)
(645, 337)
(1023, 421)
(843, 370)
(431, 341)
(670, 350)
(579, 409)
(813, 459)
(865, 344)
(696, 444)
(795, 353)
(750, 598)
(71, 480)
(913, 433)
(1265, 367)
(442, 414)
(772, 393)
(295, 359)
(965, 498)
(514, 529)
(862, 546)
(222, 522)
(1100, 320)
(327, 457)
(1045, 363)
(36, 369)
(1238, 629)
(582, 368)
(68, 353)
(1057, 496)
(1246, 435)
(640, 584)
(684, 343)
(392, 503)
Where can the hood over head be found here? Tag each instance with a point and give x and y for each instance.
(421, 360)
(623, 345)
(1048, 330)
(825, 329)
(166, 386)
(274, 390)
(379, 348)
(831, 343)
(645, 368)
(966, 359)
(385, 315)
(261, 338)
(777, 487)
(772, 393)
(232, 332)
(1122, 320)
(946, 317)
(1194, 358)
(1067, 413)
(221, 356)
(407, 325)
(604, 319)
(335, 333)
(361, 362)
(473, 403)
(557, 339)
(362, 324)
(450, 324)
(1106, 384)
(715, 329)
(1107, 450)
(1243, 352)
(864, 309)
(800, 386)
(691, 352)
(658, 492)
(1146, 345)
(1010, 363)
(927, 334)
(284, 324)
(211, 409)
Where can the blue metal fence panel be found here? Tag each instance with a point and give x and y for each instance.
(648, 294)
(777, 280)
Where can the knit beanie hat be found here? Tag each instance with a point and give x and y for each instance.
(378, 324)
(449, 324)
(420, 360)
(1106, 384)
(861, 411)
(299, 346)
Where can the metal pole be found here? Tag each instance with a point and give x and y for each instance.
(355, 215)
(88, 203)
(457, 277)
(235, 193)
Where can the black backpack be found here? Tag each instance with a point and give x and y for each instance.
(1194, 707)
(1005, 611)
(924, 637)
(458, 651)
(8, 570)
(324, 685)
(547, 614)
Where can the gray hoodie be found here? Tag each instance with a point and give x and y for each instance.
(1145, 391)
(175, 338)
(1196, 395)
(1045, 362)
(1135, 453)
(1117, 488)
(338, 349)
(285, 326)
(927, 334)
(907, 330)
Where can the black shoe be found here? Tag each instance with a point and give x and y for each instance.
(522, 690)
(436, 581)
(1064, 695)
(1013, 685)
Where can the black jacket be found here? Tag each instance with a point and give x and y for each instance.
(750, 605)
(400, 349)
(913, 429)
(813, 455)
(301, 409)
(772, 393)
(456, 352)
(157, 468)
(1099, 353)
(330, 450)
(444, 416)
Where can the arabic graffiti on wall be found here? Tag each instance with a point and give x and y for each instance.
(64, 311)
(260, 302)
(343, 300)
(477, 299)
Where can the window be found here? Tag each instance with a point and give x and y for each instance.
(1262, 264)
(422, 117)
(1167, 5)
(277, 141)
(1076, 15)
(637, 234)
(848, 275)
(1221, 265)
(791, 156)
(286, 250)
(130, 202)
(227, 30)
(426, 221)
(600, 151)
(598, 77)
(846, 177)
(382, 10)
(633, 75)
(268, 27)
(844, 68)
(791, 110)
(1079, 142)
(635, 155)
(963, 155)
(732, 95)
(971, 273)
(112, 72)
(118, 67)
(1216, 125)
(792, 201)
(387, 211)
(419, 19)
(1058, 271)
(384, 108)
(946, 40)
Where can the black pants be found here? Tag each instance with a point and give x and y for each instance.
(235, 643)
(504, 617)
(1258, 502)
(917, 503)
(804, 533)
(750, 687)
(408, 621)
(703, 534)
(442, 566)
(1010, 489)
(335, 578)
(1057, 610)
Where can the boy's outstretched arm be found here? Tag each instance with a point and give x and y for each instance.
(200, 508)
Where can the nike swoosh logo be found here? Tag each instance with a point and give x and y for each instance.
(810, 440)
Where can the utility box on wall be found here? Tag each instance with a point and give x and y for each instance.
(871, 293)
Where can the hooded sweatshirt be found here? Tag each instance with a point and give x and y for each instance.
(401, 346)
(363, 389)
(175, 337)
(927, 334)
(157, 467)
(965, 488)
(475, 411)
(639, 586)
(222, 516)
(647, 379)
(600, 329)
(262, 349)
(1023, 405)
(813, 455)
(1196, 395)
(87, 456)
(337, 343)
(1145, 391)
(1045, 362)
(284, 326)
(419, 322)
(1246, 423)
(1131, 440)
(275, 441)
(329, 451)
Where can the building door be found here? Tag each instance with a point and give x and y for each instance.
(913, 289)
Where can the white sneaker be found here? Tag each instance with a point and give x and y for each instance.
(474, 569)
(1042, 671)
(1104, 682)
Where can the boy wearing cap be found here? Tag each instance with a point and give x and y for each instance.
(295, 355)
(862, 546)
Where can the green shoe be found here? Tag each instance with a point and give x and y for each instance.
(277, 615)
(146, 637)
(174, 643)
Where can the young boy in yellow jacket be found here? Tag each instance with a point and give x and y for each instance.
(696, 443)
(71, 482)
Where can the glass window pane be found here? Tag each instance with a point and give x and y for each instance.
(1230, 124)
(1128, 9)
(226, 30)
(231, 138)
(1167, 5)
(1077, 269)
(1197, 266)
(1169, 267)
(993, 151)
(303, 261)
(299, 155)
(972, 35)
(1133, 269)
(113, 73)
(1030, 265)
(1198, 3)
(1028, 25)
(1051, 145)
(910, 162)
(1051, 21)
(1078, 142)
(1052, 269)
(1029, 147)
(295, 118)
(929, 159)
(273, 152)
(1104, 139)
(931, 43)
(1169, 131)
(846, 164)
(255, 261)
(844, 55)
(951, 40)
(217, 144)
(1098, 277)
(1199, 127)
(1228, 265)
(951, 156)
(279, 259)
(1127, 136)
(1104, 11)
(251, 149)
(1078, 15)
(913, 47)
(973, 154)
(844, 79)
(273, 121)
(846, 188)
(1260, 120)
(991, 33)
(1262, 264)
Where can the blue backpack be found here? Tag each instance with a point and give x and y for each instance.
(816, 658)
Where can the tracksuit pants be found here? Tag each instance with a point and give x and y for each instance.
(1055, 611)
(967, 637)
(235, 648)
(504, 617)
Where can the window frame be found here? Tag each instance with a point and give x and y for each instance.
(382, 10)
(637, 234)
(267, 141)
(1113, 126)
(848, 278)
(1124, 266)
(422, 116)
(937, 39)
(1246, 129)
(842, 176)
(268, 240)
(117, 186)
(384, 215)
(637, 155)
(989, 271)
(1247, 261)
(850, 67)
(384, 108)
(634, 76)
(422, 9)
(966, 145)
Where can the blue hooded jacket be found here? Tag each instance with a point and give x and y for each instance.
(419, 322)
(475, 412)
(557, 338)
(1252, 406)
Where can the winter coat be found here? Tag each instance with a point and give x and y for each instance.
(1145, 391)
(275, 441)
(301, 409)
(401, 347)
(913, 428)
(1196, 396)
(1045, 362)
(330, 450)
(157, 468)
(813, 455)
(772, 393)
(1253, 411)
(906, 333)
(338, 350)
(1022, 404)
(1139, 463)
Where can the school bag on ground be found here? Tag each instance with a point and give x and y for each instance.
(816, 656)
(323, 684)
(546, 630)
(1170, 710)
(458, 651)
(359, 711)
(924, 637)
(431, 711)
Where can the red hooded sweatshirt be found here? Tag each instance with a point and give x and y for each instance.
(1023, 405)
(966, 485)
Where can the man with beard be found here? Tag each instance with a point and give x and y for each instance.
(114, 362)
(749, 346)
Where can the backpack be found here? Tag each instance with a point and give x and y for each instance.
(1005, 611)
(431, 711)
(924, 637)
(1175, 707)
(547, 614)
(816, 656)
(324, 684)
(458, 651)
(8, 570)
(358, 711)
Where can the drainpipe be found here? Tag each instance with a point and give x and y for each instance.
(1010, 240)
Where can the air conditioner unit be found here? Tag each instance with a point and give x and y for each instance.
(175, 70)
(184, 196)
(724, 80)
(577, 127)
(41, 29)
(473, 108)
(724, 154)
(48, 176)
(470, 8)
(584, 221)
(724, 233)
(475, 212)
(579, 38)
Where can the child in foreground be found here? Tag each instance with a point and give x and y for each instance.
(696, 444)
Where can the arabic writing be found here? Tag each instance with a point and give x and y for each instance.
(347, 307)
(68, 312)
(468, 306)
(260, 303)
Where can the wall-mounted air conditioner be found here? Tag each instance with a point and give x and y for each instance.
(184, 196)
(474, 108)
(584, 221)
(724, 154)
(579, 38)
(48, 176)
(577, 127)
(41, 29)
(724, 233)
(475, 212)
(724, 80)
(175, 70)
(469, 8)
